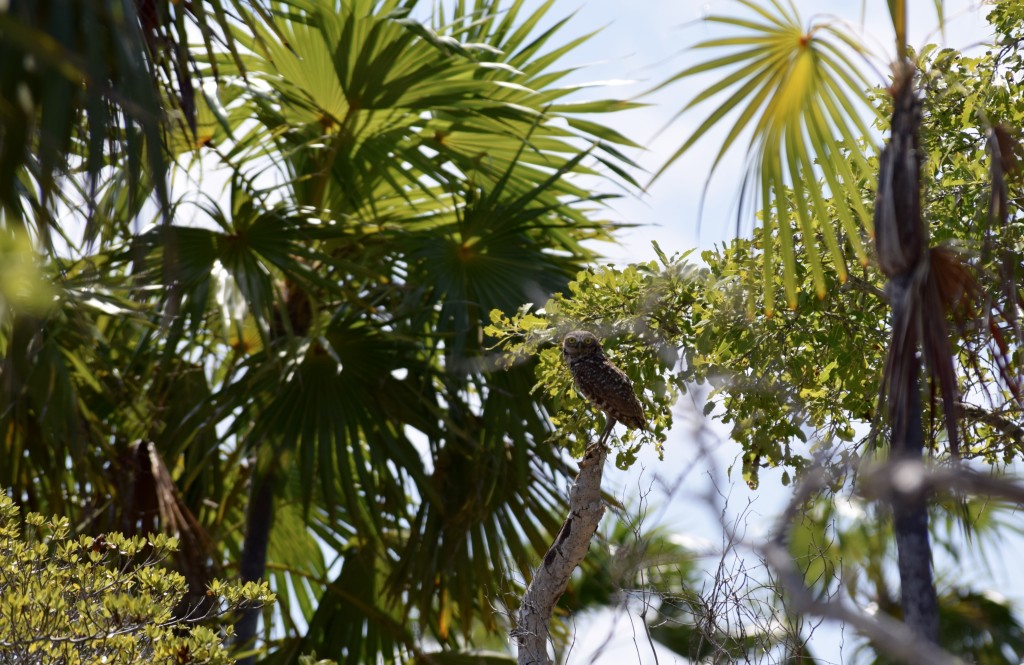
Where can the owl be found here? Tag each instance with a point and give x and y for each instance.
(602, 382)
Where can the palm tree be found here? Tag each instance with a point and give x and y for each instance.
(291, 375)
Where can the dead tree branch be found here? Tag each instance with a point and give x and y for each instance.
(889, 636)
(570, 547)
(908, 476)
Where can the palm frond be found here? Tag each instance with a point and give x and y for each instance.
(801, 97)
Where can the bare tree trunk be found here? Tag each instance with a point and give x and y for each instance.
(252, 567)
(909, 500)
(901, 243)
(570, 547)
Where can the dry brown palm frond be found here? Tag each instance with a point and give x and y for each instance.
(154, 505)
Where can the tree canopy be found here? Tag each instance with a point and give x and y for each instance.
(290, 375)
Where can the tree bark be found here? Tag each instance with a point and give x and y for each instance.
(253, 565)
(909, 500)
(570, 547)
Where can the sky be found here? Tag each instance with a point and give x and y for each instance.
(641, 44)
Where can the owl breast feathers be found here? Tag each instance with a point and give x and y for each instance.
(601, 381)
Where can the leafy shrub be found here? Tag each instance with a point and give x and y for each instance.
(102, 600)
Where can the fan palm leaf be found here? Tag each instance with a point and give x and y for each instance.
(316, 325)
(401, 148)
(803, 101)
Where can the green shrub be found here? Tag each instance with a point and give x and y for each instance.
(102, 600)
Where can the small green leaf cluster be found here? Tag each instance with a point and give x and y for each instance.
(66, 599)
(805, 376)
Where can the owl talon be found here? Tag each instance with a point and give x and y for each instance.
(594, 451)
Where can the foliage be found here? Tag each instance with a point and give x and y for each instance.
(611, 302)
(925, 282)
(353, 190)
(790, 379)
(103, 599)
(812, 374)
(88, 86)
(788, 385)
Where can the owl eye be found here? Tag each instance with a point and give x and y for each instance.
(571, 339)
(588, 341)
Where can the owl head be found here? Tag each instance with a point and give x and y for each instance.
(580, 343)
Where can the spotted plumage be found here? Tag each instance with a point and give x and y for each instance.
(602, 382)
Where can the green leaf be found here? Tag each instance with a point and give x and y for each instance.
(799, 88)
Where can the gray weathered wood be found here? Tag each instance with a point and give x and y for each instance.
(570, 547)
